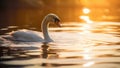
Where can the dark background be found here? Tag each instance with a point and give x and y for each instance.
(31, 12)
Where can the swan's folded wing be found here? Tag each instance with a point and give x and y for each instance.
(25, 36)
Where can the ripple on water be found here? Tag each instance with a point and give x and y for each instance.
(75, 47)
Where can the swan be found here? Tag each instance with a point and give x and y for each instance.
(25, 35)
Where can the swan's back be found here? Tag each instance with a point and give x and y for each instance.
(26, 36)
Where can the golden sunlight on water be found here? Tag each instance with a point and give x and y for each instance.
(86, 18)
(87, 54)
(88, 64)
(85, 45)
(86, 27)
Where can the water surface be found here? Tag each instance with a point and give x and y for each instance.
(77, 45)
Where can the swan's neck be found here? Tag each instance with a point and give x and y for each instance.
(44, 27)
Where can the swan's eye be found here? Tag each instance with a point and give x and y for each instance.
(56, 20)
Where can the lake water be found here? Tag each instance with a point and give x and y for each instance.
(77, 45)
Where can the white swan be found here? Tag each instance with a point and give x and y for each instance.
(33, 36)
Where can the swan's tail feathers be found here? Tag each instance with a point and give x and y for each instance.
(8, 37)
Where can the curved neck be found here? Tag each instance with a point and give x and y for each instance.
(44, 27)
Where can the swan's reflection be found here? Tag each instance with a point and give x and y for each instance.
(45, 47)
(48, 53)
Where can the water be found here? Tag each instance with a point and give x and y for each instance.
(77, 45)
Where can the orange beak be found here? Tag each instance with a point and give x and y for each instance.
(58, 24)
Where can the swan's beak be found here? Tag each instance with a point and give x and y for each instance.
(58, 24)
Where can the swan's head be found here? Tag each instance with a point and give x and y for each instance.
(54, 19)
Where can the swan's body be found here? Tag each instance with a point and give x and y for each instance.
(26, 36)
(33, 36)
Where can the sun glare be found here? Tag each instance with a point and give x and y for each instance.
(84, 17)
(86, 27)
(86, 10)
